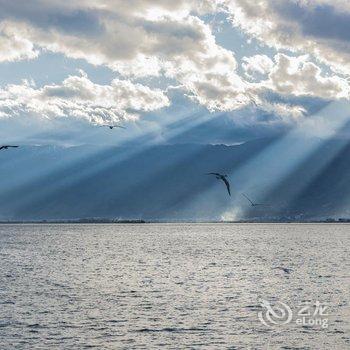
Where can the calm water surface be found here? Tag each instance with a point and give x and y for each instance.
(187, 286)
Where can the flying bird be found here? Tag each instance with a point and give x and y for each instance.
(114, 126)
(251, 202)
(284, 269)
(223, 178)
(7, 147)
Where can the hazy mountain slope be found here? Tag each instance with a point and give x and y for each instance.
(162, 182)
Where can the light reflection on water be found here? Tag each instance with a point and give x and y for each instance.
(171, 286)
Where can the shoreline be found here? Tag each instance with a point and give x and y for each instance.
(141, 222)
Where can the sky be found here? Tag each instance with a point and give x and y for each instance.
(193, 72)
(206, 71)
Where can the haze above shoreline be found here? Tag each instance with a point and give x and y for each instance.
(107, 221)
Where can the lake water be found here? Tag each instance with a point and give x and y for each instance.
(174, 286)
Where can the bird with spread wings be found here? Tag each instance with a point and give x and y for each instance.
(253, 204)
(7, 147)
(224, 179)
(113, 126)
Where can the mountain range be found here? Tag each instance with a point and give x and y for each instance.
(169, 183)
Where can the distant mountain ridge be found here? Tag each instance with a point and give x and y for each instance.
(164, 182)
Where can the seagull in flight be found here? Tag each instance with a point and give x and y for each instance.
(114, 126)
(7, 147)
(251, 202)
(284, 269)
(223, 178)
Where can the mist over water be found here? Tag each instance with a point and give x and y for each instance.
(183, 286)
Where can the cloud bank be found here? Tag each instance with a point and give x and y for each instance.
(174, 42)
(317, 27)
(78, 97)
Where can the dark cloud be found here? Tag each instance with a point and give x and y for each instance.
(49, 16)
(320, 21)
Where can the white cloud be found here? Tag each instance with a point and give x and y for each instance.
(78, 97)
(167, 39)
(299, 77)
(317, 27)
(209, 75)
(13, 47)
(116, 33)
(143, 38)
(285, 112)
(261, 64)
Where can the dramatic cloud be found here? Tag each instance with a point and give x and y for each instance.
(173, 42)
(122, 35)
(317, 27)
(261, 64)
(299, 77)
(284, 112)
(144, 38)
(78, 97)
(13, 47)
